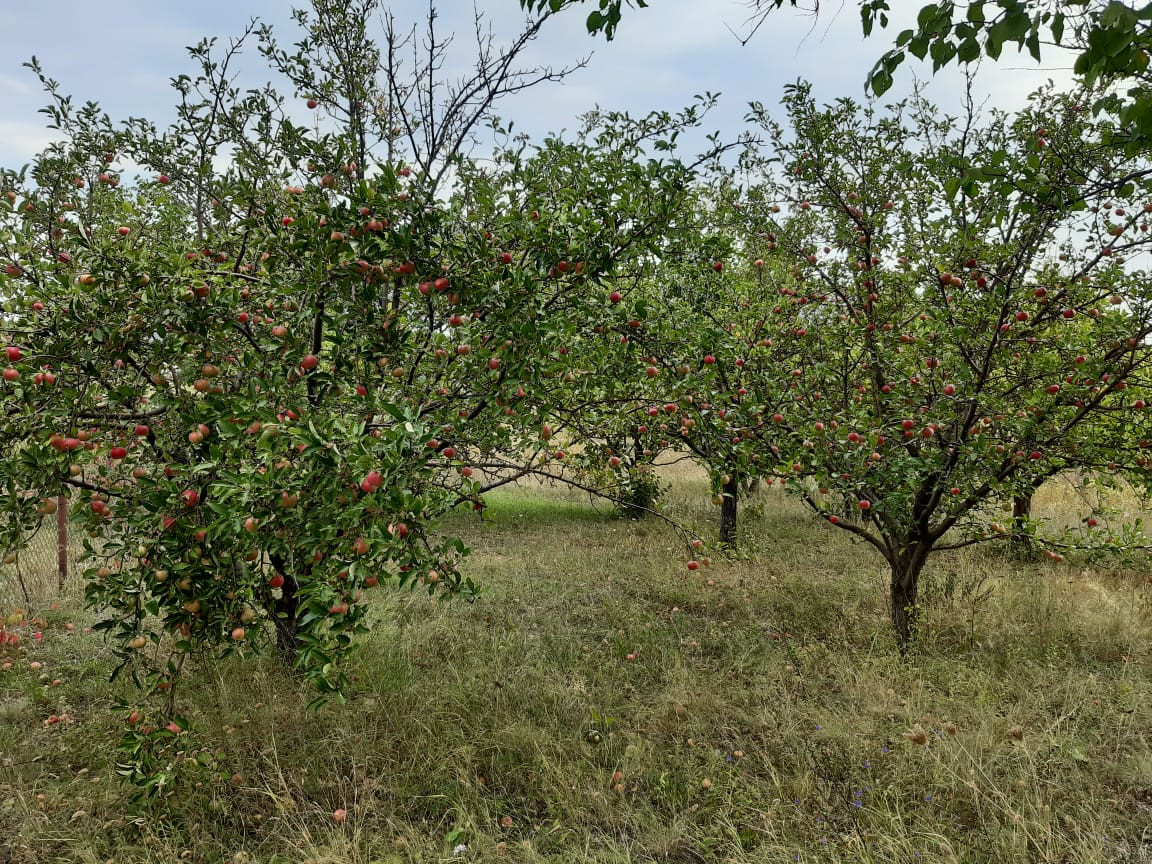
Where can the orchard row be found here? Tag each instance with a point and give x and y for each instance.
(261, 386)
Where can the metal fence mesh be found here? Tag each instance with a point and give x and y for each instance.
(39, 575)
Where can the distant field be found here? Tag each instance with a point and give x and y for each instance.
(765, 716)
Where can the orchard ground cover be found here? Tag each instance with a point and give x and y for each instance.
(600, 703)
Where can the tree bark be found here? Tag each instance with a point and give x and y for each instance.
(286, 613)
(1021, 511)
(728, 510)
(61, 541)
(905, 587)
(850, 509)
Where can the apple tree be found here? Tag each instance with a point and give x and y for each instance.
(262, 379)
(701, 362)
(603, 209)
(979, 323)
(241, 364)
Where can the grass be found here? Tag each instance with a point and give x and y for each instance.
(765, 717)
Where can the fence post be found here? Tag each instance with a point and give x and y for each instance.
(62, 540)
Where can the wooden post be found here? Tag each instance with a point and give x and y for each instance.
(62, 541)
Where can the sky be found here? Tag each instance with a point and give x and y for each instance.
(122, 54)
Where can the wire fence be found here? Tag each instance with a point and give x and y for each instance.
(46, 568)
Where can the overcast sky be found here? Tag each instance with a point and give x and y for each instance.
(123, 52)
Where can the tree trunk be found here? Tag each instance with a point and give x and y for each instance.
(286, 613)
(728, 510)
(850, 510)
(61, 542)
(642, 492)
(904, 590)
(1021, 511)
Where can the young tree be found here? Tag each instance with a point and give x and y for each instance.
(975, 330)
(703, 361)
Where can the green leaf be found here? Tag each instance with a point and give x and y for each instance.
(927, 15)
(1033, 45)
(968, 50)
(880, 81)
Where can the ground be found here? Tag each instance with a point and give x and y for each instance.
(601, 703)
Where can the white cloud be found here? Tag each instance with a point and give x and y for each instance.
(12, 85)
(23, 140)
